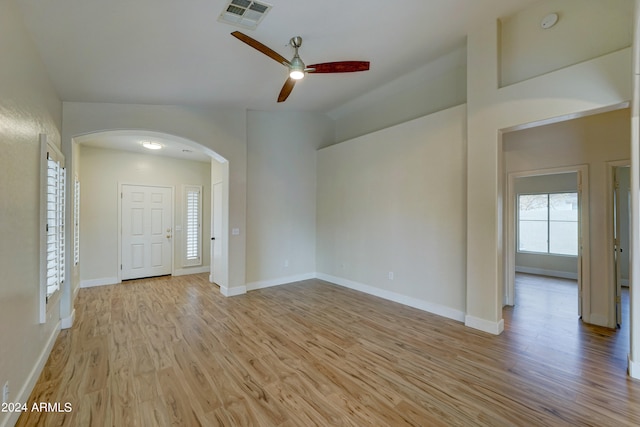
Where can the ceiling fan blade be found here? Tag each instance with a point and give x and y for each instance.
(286, 89)
(340, 67)
(262, 48)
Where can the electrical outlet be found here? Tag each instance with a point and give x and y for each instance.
(391, 275)
(5, 392)
(286, 263)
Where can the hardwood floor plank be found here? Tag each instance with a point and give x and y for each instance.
(198, 383)
(172, 351)
(176, 401)
(153, 413)
(95, 410)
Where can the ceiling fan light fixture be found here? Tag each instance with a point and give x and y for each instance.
(296, 74)
(297, 68)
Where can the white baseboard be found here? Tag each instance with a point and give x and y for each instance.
(545, 272)
(232, 292)
(633, 368)
(30, 383)
(427, 306)
(99, 282)
(280, 281)
(191, 270)
(67, 322)
(495, 328)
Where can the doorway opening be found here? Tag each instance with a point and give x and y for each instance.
(547, 232)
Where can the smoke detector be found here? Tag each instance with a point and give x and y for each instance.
(549, 21)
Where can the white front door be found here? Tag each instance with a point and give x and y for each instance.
(147, 231)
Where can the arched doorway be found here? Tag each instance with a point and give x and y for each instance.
(179, 164)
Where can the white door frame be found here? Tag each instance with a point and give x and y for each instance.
(584, 261)
(217, 269)
(173, 227)
(611, 267)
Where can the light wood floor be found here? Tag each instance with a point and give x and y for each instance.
(173, 351)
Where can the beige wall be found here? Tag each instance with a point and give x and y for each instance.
(281, 195)
(394, 201)
(29, 106)
(586, 29)
(101, 175)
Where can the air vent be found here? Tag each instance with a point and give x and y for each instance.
(244, 13)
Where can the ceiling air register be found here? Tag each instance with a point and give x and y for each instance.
(244, 13)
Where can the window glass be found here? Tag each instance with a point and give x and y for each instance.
(548, 223)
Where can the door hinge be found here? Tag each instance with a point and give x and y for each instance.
(120, 266)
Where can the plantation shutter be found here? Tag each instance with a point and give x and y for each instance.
(55, 270)
(76, 221)
(193, 216)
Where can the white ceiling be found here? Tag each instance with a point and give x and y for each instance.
(177, 53)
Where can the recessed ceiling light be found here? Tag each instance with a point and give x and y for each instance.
(152, 145)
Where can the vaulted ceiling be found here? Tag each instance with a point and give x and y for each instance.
(177, 52)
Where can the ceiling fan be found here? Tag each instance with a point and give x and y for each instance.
(297, 68)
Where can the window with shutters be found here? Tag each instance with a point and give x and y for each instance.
(53, 223)
(192, 233)
(76, 220)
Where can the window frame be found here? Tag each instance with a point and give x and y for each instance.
(188, 216)
(548, 224)
(76, 220)
(50, 153)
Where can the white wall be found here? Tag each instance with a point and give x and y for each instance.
(102, 172)
(394, 201)
(547, 264)
(281, 201)
(29, 106)
(586, 29)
